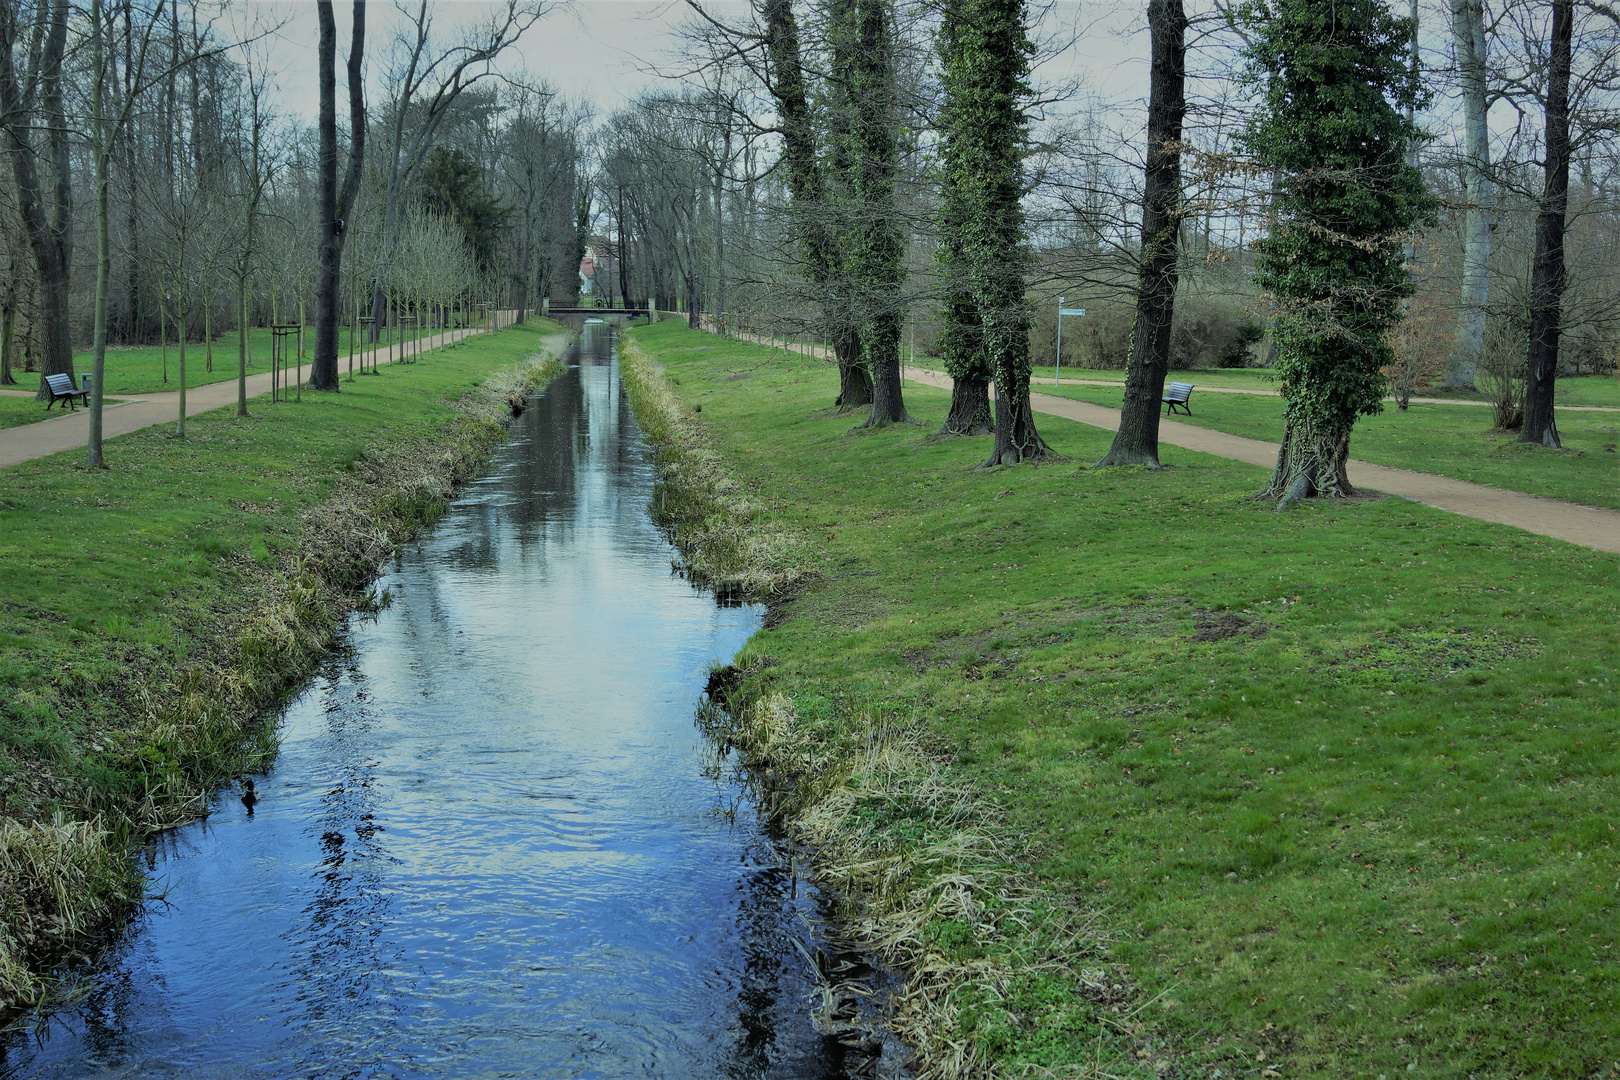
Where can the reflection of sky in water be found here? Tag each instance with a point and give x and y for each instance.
(487, 848)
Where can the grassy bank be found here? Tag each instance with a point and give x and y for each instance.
(1138, 777)
(148, 613)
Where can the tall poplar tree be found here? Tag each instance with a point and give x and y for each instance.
(985, 49)
(1331, 128)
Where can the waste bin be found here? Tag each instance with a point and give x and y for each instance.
(85, 385)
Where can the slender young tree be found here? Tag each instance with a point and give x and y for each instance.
(1331, 128)
(335, 205)
(1137, 441)
(1547, 273)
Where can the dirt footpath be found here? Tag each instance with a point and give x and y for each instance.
(1587, 526)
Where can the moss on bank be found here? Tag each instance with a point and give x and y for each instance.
(150, 614)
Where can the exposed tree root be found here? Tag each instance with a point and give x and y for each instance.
(1310, 464)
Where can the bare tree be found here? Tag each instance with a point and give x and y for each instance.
(335, 204)
(427, 85)
(1137, 441)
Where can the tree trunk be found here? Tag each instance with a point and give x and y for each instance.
(1468, 28)
(1137, 441)
(1016, 437)
(1547, 273)
(1309, 465)
(99, 148)
(335, 206)
(970, 409)
(49, 229)
(241, 346)
(883, 358)
(878, 261)
(854, 378)
(8, 333)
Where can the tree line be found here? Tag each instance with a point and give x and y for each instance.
(1314, 186)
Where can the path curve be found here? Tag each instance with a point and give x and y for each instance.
(1588, 526)
(1278, 393)
(133, 413)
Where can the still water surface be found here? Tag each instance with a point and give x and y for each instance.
(487, 848)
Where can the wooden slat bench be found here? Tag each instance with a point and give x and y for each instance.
(60, 387)
(1177, 394)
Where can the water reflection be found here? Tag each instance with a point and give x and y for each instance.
(487, 848)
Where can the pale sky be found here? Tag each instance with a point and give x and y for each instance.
(605, 51)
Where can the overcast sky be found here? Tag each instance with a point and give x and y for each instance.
(607, 51)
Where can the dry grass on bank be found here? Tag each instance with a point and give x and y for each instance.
(727, 540)
(919, 863)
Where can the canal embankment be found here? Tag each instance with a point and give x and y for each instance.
(1132, 776)
(151, 612)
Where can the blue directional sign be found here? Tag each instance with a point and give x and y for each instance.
(1072, 311)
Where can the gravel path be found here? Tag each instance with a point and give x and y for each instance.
(72, 429)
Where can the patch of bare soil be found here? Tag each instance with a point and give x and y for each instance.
(1228, 625)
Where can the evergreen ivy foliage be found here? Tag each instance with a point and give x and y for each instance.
(985, 55)
(867, 149)
(961, 338)
(1331, 128)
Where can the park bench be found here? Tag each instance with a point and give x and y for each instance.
(61, 386)
(1178, 394)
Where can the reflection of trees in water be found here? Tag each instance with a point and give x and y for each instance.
(775, 987)
(348, 913)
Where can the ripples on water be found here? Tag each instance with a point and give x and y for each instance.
(487, 848)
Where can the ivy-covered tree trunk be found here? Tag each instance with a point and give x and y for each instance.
(961, 339)
(879, 242)
(984, 53)
(44, 203)
(1332, 130)
(811, 210)
(962, 348)
(854, 378)
(1547, 274)
(1137, 441)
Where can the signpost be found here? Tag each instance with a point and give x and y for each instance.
(1057, 375)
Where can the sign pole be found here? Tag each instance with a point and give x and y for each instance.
(1057, 374)
(1062, 311)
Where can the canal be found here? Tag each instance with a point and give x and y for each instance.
(488, 847)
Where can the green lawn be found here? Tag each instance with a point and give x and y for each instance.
(1452, 440)
(1338, 779)
(140, 369)
(116, 577)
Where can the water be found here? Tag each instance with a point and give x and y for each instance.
(488, 848)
